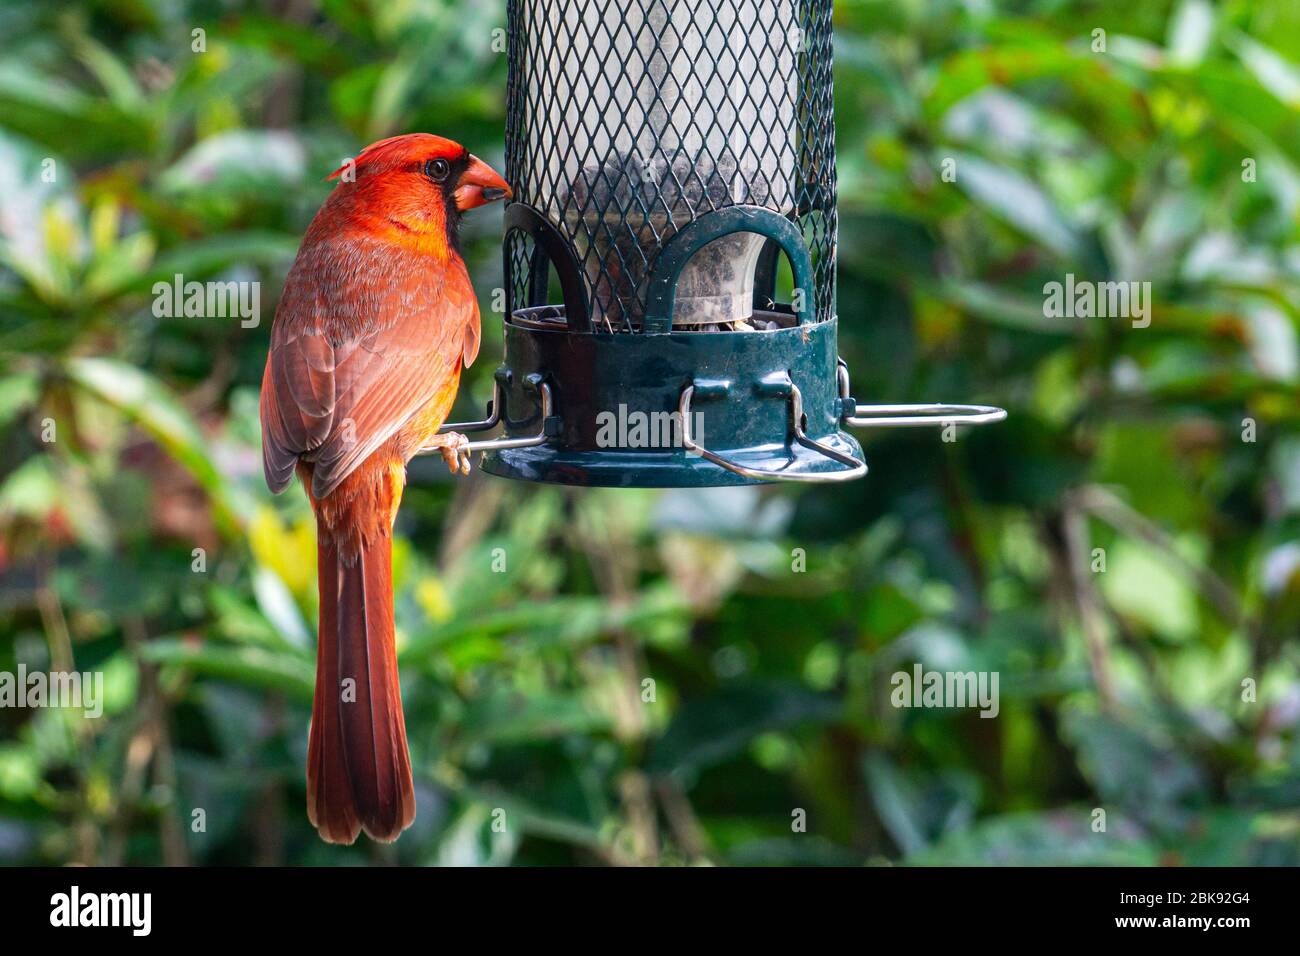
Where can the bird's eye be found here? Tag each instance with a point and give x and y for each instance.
(437, 169)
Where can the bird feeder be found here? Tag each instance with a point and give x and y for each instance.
(663, 154)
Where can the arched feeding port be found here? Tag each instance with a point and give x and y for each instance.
(664, 155)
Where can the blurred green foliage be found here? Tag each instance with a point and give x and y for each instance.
(1171, 156)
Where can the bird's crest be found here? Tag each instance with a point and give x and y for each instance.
(401, 149)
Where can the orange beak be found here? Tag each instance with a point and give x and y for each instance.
(479, 184)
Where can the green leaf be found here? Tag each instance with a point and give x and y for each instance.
(1050, 838)
(113, 75)
(507, 717)
(1019, 201)
(708, 730)
(31, 490)
(252, 666)
(566, 621)
(18, 390)
(1143, 586)
(239, 160)
(281, 610)
(1190, 32)
(897, 804)
(157, 410)
(203, 257)
(529, 818)
(1005, 308)
(1130, 768)
(1274, 72)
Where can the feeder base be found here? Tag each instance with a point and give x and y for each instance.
(680, 469)
(616, 421)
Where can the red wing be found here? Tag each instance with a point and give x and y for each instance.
(331, 397)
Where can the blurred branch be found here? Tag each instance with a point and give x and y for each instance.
(474, 506)
(634, 789)
(53, 619)
(268, 827)
(611, 555)
(283, 103)
(150, 744)
(1088, 604)
(1105, 506)
(687, 831)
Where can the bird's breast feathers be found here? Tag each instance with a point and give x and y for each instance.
(367, 334)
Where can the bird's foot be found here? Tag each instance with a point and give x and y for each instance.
(456, 452)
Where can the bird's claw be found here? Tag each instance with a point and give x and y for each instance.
(456, 453)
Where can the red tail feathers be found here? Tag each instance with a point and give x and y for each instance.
(358, 767)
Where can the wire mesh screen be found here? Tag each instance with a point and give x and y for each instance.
(519, 272)
(630, 119)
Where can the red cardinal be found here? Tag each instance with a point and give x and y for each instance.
(377, 320)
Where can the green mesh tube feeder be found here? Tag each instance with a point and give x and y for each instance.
(663, 155)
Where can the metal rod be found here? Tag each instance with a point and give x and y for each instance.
(855, 469)
(494, 416)
(494, 444)
(900, 416)
(911, 415)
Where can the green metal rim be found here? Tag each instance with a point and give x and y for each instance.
(598, 379)
(647, 469)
